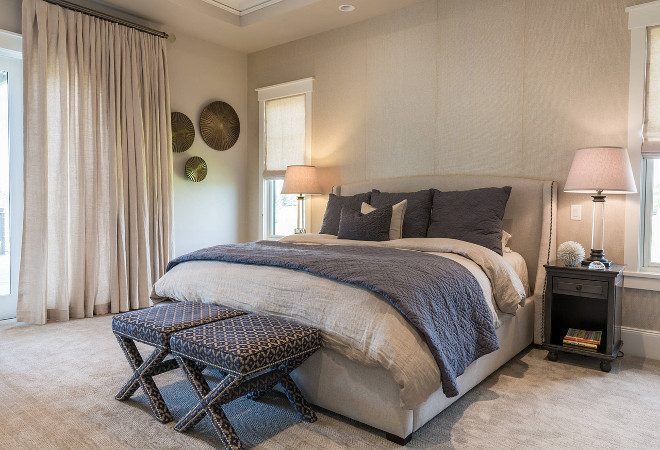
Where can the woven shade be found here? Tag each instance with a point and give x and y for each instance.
(301, 180)
(604, 169)
(651, 144)
(285, 134)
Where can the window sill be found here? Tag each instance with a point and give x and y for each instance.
(648, 281)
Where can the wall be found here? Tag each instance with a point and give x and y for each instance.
(498, 87)
(10, 15)
(213, 211)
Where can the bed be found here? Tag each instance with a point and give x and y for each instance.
(370, 377)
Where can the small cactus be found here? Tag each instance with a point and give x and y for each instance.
(570, 253)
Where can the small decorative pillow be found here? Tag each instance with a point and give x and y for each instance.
(333, 210)
(418, 210)
(505, 240)
(398, 212)
(374, 226)
(472, 216)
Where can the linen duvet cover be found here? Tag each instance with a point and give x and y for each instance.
(356, 322)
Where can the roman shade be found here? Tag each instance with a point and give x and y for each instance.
(651, 145)
(284, 135)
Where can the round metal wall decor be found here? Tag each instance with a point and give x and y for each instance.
(183, 132)
(196, 169)
(219, 126)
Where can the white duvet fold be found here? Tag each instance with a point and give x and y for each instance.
(355, 322)
(508, 289)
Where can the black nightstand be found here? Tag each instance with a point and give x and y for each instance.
(577, 297)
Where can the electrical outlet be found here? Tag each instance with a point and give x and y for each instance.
(576, 212)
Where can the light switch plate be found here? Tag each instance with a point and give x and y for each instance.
(576, 212)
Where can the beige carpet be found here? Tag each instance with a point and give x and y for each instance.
(57, 384)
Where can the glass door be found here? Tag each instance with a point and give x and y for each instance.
(11, 179)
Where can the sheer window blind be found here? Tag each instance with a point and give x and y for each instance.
(651, 145)
(285, 134)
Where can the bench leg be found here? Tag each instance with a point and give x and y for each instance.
(286, 367)
(142, 377)
(296, 398)
(133, 384)
(263, 390)
(205, 406)
(163, 367)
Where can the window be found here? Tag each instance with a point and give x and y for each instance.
(283, 211)
(284, 140)
(651, 154)
(11, 170)
(642, 218)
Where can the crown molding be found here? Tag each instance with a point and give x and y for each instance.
(242, 12)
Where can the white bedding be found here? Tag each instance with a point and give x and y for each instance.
(517, 263)
(355, 322)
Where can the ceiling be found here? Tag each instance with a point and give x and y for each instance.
(246, 25)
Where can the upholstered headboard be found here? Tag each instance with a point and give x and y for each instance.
(530, 216)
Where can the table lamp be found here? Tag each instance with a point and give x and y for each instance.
(301, 180)
(600, 170)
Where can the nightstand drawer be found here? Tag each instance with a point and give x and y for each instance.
(581, 288)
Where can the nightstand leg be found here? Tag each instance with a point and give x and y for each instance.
(605, 366)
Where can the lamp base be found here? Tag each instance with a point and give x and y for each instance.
(597, 255)
(300, 231)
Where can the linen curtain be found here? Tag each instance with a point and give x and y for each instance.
(97, 226)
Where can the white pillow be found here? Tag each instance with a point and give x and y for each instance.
(398, 211)
(505, 238)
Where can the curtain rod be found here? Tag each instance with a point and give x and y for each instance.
(109, 18)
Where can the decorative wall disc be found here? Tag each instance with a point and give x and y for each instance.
(219, 126)
(183, 132)
(196, 169)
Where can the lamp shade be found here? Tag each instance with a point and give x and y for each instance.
(604, 169)
(301, 180)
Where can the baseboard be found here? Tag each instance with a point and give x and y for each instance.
(644, 343)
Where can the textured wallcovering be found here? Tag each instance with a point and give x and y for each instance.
(10, 15)
(499, 87)
(214, 211)
(641, 309)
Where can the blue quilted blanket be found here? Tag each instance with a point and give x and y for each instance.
(440, 297)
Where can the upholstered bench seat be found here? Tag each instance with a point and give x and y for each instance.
(255, 353)
(154, 326)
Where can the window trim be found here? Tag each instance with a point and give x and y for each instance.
(645, 218)
(11, 44)
(638, 276)
(298, 87)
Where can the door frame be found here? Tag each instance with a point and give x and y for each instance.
(11, 60)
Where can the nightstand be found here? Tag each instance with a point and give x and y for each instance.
(577, 297)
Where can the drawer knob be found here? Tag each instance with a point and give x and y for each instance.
(578, 287)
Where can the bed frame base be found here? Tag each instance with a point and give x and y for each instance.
(336, 383)
(398, 440)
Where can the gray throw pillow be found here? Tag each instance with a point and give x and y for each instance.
(333, 210)
(374, 226)
(472, 216)
(418, 210)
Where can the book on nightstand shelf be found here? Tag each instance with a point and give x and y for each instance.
(588, 349)
(582, 338)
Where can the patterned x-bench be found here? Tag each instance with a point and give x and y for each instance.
(154, 326)
(255, 353)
